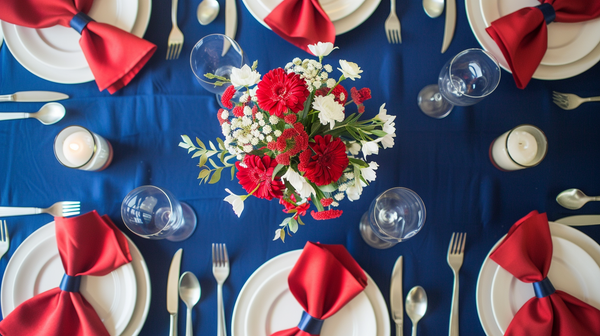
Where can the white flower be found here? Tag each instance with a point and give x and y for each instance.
(273, 119)
(277, 234)
(350, 69)
(267, 129)
(331, 83)
(303, 188)
(277, 133)
(321, 49)
(354, 191)
(383, 116)
(389, 127)
(330, 111)
(244, 76)
(388, 140)
(247, 110)
(353, 147)
(339, 196)
(369, 173)
(369, 148)
(236, 201)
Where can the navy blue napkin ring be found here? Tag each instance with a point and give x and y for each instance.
(309, 324)
(79, 21)
(70, 283)
(548, 11)
(543, 288)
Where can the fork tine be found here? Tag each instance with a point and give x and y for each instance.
(70, 203)
(2, 230)
(464, 239)
(7, 237)
(225, 256)
(450, 247)
(387, 34)
(179, 47)
(214, 254)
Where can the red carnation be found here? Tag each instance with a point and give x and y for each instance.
(238, 111)
(291, 142)
(290, 206)
(227, 95)
(326, 201)
(220, 117)
(359, 96)
(327, 214)
(290, 118)
(278, 91)
(338, 92)
(258, 174)
(324, 162)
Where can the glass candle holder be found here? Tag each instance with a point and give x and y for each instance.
(522, 147)
(78, 148)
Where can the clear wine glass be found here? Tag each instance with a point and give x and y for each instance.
(207, 57)
(464, 80)
(394, 216)
(154, 213)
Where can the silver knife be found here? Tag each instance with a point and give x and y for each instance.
(33, 96)
(396, 297)
(172, 292)
(450, 24)
(580, 220)
(230, 23)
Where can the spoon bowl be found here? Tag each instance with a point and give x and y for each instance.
(574, 199)
(189, 292)
(433, 8)
(416, 306)
(50, 113)
(207, 11)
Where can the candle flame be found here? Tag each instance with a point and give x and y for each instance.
(74, 146)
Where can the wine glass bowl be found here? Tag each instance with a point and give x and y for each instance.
(154, 213)
(394, 216)
(464, 80)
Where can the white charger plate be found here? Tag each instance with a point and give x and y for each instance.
(572, 270)
(36, 267)
(342, 25)
(488, 270)
(567, 42)
(66, 76)
(335, 9)
(547, 72)
(279, 266)
(58, 46)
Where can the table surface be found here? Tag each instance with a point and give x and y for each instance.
(445, 161)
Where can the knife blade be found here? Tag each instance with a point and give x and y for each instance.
(450, 24)
(230, 23)
(580, 220)
(396, 296)
(33, 96)
(172, 292)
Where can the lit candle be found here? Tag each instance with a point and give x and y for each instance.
(522, 147)
(78, 148)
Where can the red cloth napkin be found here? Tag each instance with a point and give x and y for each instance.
(523, 36)
(301, 22)
(114, 56)
(88, 245)
(526, 253)
(324, 279)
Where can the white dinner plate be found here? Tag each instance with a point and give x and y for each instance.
(488, 270)
(58, 46)
(342, 25)
(268, 284)
(1, 36)
(572, 270)
(65, 76)
(335, 9)
(567, 42)
(36, 267)
(547, 72)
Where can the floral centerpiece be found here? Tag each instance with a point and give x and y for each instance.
(291, 137)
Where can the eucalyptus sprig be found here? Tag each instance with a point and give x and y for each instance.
(209, 173)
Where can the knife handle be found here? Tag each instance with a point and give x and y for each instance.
(6, 98)
(173, 325)
(13, 115)
(18, 211)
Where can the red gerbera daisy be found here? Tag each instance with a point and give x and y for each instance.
(339, 92)
(278, 91)
(324, 162)
(327, 214)
(227, 95)
(258, 174)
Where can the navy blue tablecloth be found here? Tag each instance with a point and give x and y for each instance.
(445, 161)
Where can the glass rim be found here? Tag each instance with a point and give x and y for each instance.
(171, 206)
(410, 191)
(508, 152)
(490, 56)
(95, 150)
(234, 45)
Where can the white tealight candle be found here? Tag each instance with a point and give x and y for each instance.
(78, 148)
(522, 147)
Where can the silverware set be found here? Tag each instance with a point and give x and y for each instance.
(569, 101)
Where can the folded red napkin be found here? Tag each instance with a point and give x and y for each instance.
(523, 36)
(114, 56)
(324, 279)
(88, 245)
(301, 22)
(527, 253)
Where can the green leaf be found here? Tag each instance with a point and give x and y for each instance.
(285, 221)
(379, 133)
(196, 154)
(213, 163)
(358, 162)
(232, 172)
(282, 235)
(203, 160)
(216, 176)
(221, 144)
(187, 140)
(293, 225)
(254, 65)
(212, 146)
(200, 143)
(276, 170)
(184, 145)
(203, 173)
(300, 220)
(329, 188)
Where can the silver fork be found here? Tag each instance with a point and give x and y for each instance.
(176, 36)
(392, 25)
(58, 209)
(456, 251)
(220, 262)
(4, 239)
(569, 101)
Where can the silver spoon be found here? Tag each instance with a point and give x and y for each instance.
(416, 306)
(49, 114)
(207, 11)
(189, 292)
(433, 8)
(574, 199)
